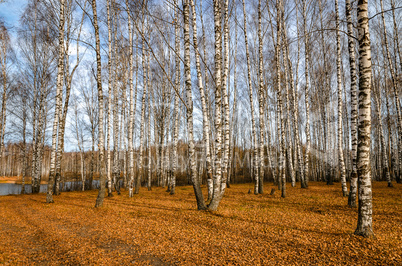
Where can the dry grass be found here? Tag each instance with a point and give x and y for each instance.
(310, 227)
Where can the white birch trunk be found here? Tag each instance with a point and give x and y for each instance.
(59, 88)
(261, 102)
(132, 100)
(340, 105)
(226, 115)
(145, 61)
(176, 100)
(385, 166)
(304, 183)
(287, 64)
(102, 179)
(213, 205)
(109, 114)
(189, 111)
(395, 87)
(250, 89)
(364, 222)
(353, 97)
(205, 122)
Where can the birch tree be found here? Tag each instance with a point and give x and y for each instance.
(131, 102)
(306, 96)
(102, 179)
(339, 82)
(250, 91)
(189, 107)
(60, 69)
(176, 99)
(394, 85)
(364, 222)
(353, 96)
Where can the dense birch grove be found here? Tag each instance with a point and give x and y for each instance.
(208, 93)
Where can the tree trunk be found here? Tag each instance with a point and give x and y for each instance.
(304, 183)
(384, 156)
(132, 100)
(145, 60)
(281, 128)
(339, 82)
(216, 197)
(364, 222)
(102, 179)
(261, 102)
(109, 106)
(287, 64)
(187, 75)
(250, 89)
(176, 100)
(395, 87)
(205, 122)
(353, 96)
(59, 95)
(226, 115)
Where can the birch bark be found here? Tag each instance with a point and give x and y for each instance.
(109, 108)
(131, 102)
(102, 179)
(364, 222)
(176, 99)
(261, 101)
(304, 183)
(216, 197)
(250, 91)
(394, 85)
(353, 97)
(189, 111)
(59, 88)
(339, 82)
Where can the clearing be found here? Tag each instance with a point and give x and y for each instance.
(310, 227)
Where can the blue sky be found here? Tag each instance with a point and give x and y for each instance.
(10, 11)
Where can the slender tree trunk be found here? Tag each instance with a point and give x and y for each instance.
(233, 135)
(216, 197)
(384, 156)
(353, 96)
(261, 101)
(250, 89)
(287, 64)
(210, 185)
(189, 112)
(339, 82)
(304, 183)
(109, 106)
(116, 165)
(364, 222)
(395, 87)
(146, 89)
(102, 179)
(59, 88)
(149, 144)
(205, 122)
(3, 115)
(296, 102)
(132, 100)
(396, 36)
(24, 145)
(225, 99)
(282, 179)
(176, 100)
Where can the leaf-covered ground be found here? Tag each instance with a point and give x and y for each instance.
(310, 227)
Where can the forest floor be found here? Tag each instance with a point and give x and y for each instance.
(13, 179)
(311, 226)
